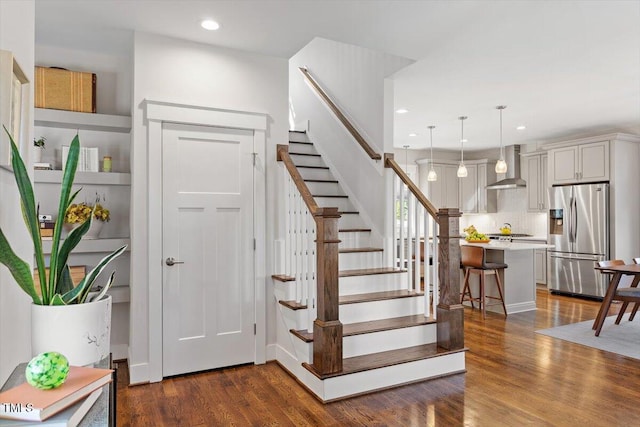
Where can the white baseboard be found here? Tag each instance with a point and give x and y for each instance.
(138, 373)
(271, 351)
(119, 351)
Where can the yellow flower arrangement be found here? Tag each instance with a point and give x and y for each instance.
(79, 213)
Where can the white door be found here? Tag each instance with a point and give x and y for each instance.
(208, 293)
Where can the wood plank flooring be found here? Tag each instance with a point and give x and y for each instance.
(514, 377)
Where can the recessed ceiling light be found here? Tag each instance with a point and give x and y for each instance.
(464, 140)
(413, 134)
(210, 24)
(402, 110)
(521, 127)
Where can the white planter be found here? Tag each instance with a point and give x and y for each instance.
(81, 332)
(92, 233)
(36, 154)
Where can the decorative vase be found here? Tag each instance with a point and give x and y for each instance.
(92, 233)
(81, 332)
(37, 154)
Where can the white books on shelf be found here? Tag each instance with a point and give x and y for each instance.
(88, 159)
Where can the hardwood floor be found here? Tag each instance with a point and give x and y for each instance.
(514, 377)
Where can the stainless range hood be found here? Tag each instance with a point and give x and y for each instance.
(512, 180)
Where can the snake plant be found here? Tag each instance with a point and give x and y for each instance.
(58, 289)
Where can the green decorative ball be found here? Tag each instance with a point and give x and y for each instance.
(47, 370)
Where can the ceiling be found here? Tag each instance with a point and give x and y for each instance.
(564, 68)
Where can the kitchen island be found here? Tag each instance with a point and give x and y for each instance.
(518, 279)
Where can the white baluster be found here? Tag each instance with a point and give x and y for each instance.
(410, 240)
(419, 210)
(436, 250)
(395, 201)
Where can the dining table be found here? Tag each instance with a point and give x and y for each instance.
(616, 271)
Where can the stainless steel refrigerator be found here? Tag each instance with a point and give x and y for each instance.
(579, 230)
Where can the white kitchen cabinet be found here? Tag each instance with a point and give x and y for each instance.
(534, 168)
(579, 163)
(468, 194)
(540, 256)
(469, 190)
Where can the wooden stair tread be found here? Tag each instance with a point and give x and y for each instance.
(360, 328)
(349, 212)
(355, 250)
(378, 296)
(293, 305)
(354, 230)
(283, 278)
(351, 365)
(370, 271)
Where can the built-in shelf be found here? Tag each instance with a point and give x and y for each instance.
(84, 121)
(92, 245)
(119, 294)
(83, 178)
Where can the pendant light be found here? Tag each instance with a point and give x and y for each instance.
(432, 176)
(501, 165)
(462, 169)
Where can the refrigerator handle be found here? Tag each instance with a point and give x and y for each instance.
(570, 220)
(574, 220)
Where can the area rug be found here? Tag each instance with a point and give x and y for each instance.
(622, 339)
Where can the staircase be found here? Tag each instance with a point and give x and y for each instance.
(387, 339)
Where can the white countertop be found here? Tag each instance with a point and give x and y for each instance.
(508, 246)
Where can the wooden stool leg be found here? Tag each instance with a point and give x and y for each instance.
(466, 287)
(483, 302)
(633, 312)
(499, 283)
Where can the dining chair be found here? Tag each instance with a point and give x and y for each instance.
(637, 305)
(624, 295)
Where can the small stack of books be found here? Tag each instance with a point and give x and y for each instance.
(46, 226)
(66, 405)
(42, 166)
(87, 159)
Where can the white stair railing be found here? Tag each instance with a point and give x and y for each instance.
(300, 249)
(415, 231)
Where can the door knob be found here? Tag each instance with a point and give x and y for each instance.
(171, 261)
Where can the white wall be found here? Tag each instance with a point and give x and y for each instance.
(182, 72)
(17, 34)
(354, 78)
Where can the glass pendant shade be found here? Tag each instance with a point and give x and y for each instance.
(501, 166)
(462, 171)
(432, 176)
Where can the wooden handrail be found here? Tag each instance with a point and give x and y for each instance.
(340, 115)
(389, 162)
(283, 156)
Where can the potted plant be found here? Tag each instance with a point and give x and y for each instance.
(57, 297)
(38, 148)
(78, 214)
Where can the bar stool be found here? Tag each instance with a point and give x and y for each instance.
(474, 262)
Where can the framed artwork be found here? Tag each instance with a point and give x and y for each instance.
(14, 103)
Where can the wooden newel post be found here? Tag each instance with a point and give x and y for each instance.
(450, 313)
(327, 329)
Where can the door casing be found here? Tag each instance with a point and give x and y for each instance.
(156, 114)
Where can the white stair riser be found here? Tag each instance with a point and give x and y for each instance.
(358, 345)
(307, 173)
(376, 379)
(358, 239)
(330, 188)
(342, 203)
(372, 283)
(377, 310)
(301, 148)
(358, 260)
(375, 342)
(284, 291)
(351, 221)
(300, 160)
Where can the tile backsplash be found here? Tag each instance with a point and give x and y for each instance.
(512, 208)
